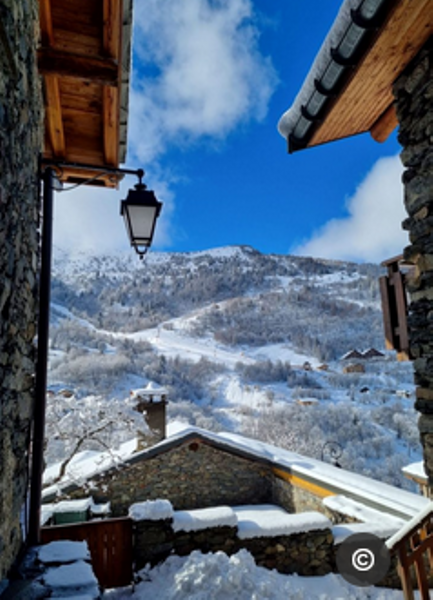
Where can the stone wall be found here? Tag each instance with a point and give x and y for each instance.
(20, 145)
(295, 499)
(194, 475)
(413, 93)
(308, 553)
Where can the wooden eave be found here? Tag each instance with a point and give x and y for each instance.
(366, 101)
(82, 60)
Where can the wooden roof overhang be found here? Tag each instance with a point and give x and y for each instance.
(84, 61)
(362, 100)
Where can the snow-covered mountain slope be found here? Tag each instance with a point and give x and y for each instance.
(229, 332)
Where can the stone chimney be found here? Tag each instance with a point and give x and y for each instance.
(151, 402)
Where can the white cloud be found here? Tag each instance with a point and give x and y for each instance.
(198, 73)
(207, 74)
(372, 230)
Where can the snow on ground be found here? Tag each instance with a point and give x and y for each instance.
(220, 577)
(68, 578)
(63, 551)
(283, 352)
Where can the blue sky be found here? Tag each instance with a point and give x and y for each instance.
(211, 79)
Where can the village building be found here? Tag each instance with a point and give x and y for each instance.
(199, 490)
(195, 468)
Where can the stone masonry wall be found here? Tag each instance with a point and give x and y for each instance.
(194, 475)
(20, 145)
(413, 93)
(308, 553)
(294, 499)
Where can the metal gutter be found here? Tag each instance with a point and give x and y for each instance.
(339, 60)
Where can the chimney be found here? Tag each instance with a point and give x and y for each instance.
(151, 402)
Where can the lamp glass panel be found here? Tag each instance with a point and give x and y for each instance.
(141, 221)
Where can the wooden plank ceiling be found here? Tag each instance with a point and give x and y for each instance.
(366, 102)
(80, 60)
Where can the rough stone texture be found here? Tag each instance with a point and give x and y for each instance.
(309, 553)
(20, 146)
(413, 93)
(194, 475)
(296, 500)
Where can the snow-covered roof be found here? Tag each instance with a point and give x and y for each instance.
(416, 471)
(348, 89)
(289, 119)
(375, 494)
(410, 525)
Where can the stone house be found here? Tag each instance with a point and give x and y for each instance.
(196, 469)
(63, 97)
(374, 72)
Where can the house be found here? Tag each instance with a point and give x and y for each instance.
(352, 355)
(372, 353)
(194, 468)
(374, 72)
(49, 51)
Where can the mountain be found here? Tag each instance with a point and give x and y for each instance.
(237, 337)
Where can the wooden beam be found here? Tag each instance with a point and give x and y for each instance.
(111, 125)
(112, 31)
(386, 313)
(46, 21)
(112, 39)
(385, 124)
(54, 121)
(94, 69)
(75, 174)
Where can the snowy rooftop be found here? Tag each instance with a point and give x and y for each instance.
(290, 118)
(416, 471)
(375, 494)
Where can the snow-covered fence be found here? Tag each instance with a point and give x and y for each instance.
(413, 545)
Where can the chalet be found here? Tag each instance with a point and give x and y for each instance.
(372, 353)
(373, 73)
(352, 355)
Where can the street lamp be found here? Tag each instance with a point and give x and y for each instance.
(140, 211)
